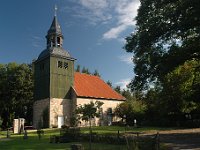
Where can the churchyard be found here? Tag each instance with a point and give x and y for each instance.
(17, 141)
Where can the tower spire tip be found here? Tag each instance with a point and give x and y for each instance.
(55, 9)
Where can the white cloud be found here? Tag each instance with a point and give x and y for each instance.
(126, 12)
(113, 33)
(92, 4)
(123, 83)
(127, 59)
(119, 13)
(94, 11)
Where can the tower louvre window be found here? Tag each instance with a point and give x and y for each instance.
(60, 64)
(58, 41)
(65, 65)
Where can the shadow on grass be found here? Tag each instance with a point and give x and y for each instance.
(182, 140)
(16, 142)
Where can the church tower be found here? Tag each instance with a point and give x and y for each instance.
(53, 79)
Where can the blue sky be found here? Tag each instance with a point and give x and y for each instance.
(94, 32)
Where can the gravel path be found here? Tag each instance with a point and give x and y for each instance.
(188, 139)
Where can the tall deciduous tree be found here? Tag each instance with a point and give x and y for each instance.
(179, 93)
(16, 94)
(167, 34)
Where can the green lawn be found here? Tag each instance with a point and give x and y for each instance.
(115, 129)
(17, 142)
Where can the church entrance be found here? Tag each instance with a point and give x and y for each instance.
(60, 121)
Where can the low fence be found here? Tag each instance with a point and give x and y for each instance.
(133, 140)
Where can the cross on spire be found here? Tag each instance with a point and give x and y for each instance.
(55, 9)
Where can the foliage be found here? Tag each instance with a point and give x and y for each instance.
(166, 35)
(117, 89)
(74, 120)
(165, 47)
(96, 73)
(109, 83)
(70, 134)
(90, 110)
(131, 109)
(85, 70)
(179, 93)
(16, 94)
(175, 96)
(78, 68)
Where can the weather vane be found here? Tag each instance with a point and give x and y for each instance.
(56, 8)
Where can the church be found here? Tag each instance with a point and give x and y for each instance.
(58, 89)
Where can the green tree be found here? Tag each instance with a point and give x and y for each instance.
(109, 83)
(179, 92)
(85, 70)
(166, 35)
(117, 89)
(89, 111)
(175, 96)
(16, 95)
(130, 110)
(78, 68)
(96, 73)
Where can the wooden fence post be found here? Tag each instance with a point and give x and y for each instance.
(157, 141)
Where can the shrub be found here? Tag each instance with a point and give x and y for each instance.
(70, 134)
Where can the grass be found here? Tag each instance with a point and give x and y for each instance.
(16, 142)
(115, 129)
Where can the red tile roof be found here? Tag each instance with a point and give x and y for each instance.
(92, 86)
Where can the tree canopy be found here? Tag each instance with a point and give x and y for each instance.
(16, 94)
(167, 34)
(89, 111)
(166, 53)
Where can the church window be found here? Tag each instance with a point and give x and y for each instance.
(65, 65)
(59, 64)
(109, 111)
(58, 41)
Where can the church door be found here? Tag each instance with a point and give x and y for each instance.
(60, 121)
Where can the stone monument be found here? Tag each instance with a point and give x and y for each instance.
(18, 125)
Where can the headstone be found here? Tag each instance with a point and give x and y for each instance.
(25, 135)
(8, 133)
(18, 125)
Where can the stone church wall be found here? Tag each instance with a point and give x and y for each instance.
(38, 108)
(106, 118)
(59, 107)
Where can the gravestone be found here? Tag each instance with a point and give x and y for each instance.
(8, 133)
(18, 125)
(25, 134)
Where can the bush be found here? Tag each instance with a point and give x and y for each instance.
(69, 134)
